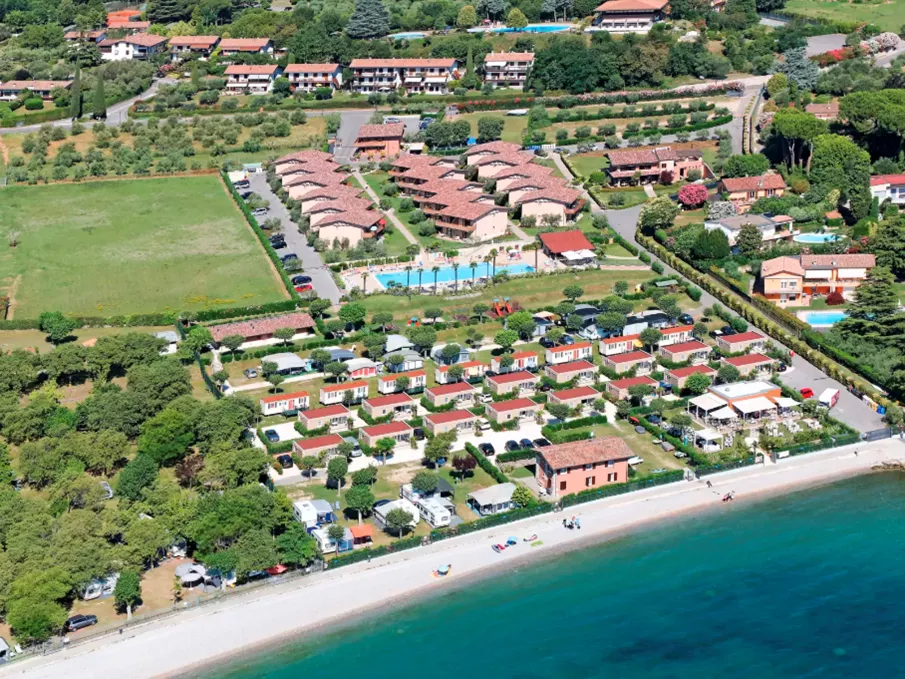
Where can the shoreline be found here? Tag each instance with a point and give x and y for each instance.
(201, 640)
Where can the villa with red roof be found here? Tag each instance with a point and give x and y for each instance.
(260, 330)
(130, 27)
(508, 69)
(888, 187)
(693, 350)
(629, 16)
(392, 404)
(13, 89)
(335, 417)
(335, 393)
(489, 166)
(751, 366)
(231, 46)
(460, 393)
(648, 165)
(379, 141)
(583, 371)
(327, 445)
(310, 77)
(678, 376)
(744, 191)
(553, 201)
(795, 281)
(140, 46)
(182, 46)
(88, 36)
(513, 410)
(743, 341)
(490, 148)
(619, 388)
(566, 353)
(453, 420)
(472, 370)
(398, 431)
(574, 398)
(619, 345)
(281, 403)
(569, 468)
(512, 383)
(521, 360)
(251, 79)
(386, 384)
(641, 361)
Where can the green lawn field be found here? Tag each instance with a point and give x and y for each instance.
(118, 247)
(889, 16)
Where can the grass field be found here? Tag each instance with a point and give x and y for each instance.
(889, 16)
(119, 247)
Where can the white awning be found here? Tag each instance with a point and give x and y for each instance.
(726, 413)
(416, 79)
(821, 274)
(707, 402)
(576, 255)
(758, 404)
(784, 402)
(495, 63)
(708, 434)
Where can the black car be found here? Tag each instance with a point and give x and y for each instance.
(727, 330)
(289, 255)
(418, 433)
(512, 446)
(285, 461)
(675, 432)
(245, 195)
(487, 449)
(567, 340)
(541, 443)
(686, 319)
(654, 419)
(278, 244)
(526, 443)
(547, 343)
(271, 435)
(301, 280)
(77, 622)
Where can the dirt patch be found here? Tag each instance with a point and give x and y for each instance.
(11, 295)
(403, 473)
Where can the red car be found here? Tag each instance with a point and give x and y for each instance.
(304, 288)
(807, 392)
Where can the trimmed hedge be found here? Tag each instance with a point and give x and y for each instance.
(517, 455)
(486, 464)
(622, 488)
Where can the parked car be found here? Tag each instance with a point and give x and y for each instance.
(686, 319)
(653, 418)
(250, 373)
(391, 120)
(260, 211)
(300, 280)
(635, 460)
(285, 461)
(418, 433)
(541, 443)
(806, 392)
(640, 430)
(512, 446)
(675, 432)
(245, 195)
(278, 243)
(304, 288)
(727, 330)
(567, 340)
(272, 435)
(485, 398)
(77, 622)
(680, 455)
(423, 125)
(289, 255)
(547, 343)
(782, 367)
(526, 443)
(487, 449)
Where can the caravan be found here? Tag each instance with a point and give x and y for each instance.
(434, 512)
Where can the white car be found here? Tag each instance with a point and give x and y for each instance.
(635, 460)
(517, 112)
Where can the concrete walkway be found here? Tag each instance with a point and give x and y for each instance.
(389, 213)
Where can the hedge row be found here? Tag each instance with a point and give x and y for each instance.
(486, 464)
(621, 488)
(343, 266)
(584, 114)
(757, 315)
(709, 124)
(578, 423)
(517, 455)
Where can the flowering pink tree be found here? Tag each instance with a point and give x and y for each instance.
(693, 196)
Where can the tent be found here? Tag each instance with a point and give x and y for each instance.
(785, 402)
(724, 414)
(758, 404)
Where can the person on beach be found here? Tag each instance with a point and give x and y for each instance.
(709, 485)
(578, 523)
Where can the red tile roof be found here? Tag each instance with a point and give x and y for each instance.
(386, 429)
(38, 85)
(319, 442)
(512, 404)
(393, 131)
(533, 183)
(692, 370)
(632, 6)
(559, 242)
(465, 365)
(251, 69)
(365, 530)
(334, 192)
(571, 367)
(633, 382)
(771, 180)
(677, 329)
(361, 218)
(326, 411)
(519, 158)
(283, 397)
(521, 57)
(311, 68)
(469, 211)
(138, 25)
(340, 205)
(402, 63)
(243, 44)
(524, 354)
(447, 389)
(831, 109)
(858, 261)
(570, 347)
(556, 194)
(577, 392)
(140, 39)
(450, 416)
(206, 41)
(307, 156)
(621, 338)
(880, 179)
(634, 157)
(527, 170)
(749, 336)
(389, 400)
(84, 35)
(347, 386)
(494, 147)
(392, 376)
(791, 265)
(509, 378)
(262, 326)
(580, 453)
(682, 347)
(628, 357)
(748, 359)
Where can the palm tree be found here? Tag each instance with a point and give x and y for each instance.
(473, 266)
(456, 272)
(364, 281)
(493, 254)
(408, 276)
(436, 270)
(420, 274)
(487, 262)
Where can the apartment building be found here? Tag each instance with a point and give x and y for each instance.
(309, 77)
(379, 141)
(629, 16)
(415, 76)
(472, 221)
(202, 46)
(559, 202)
(232, 46)
(508, 69)
(744, 191)
(795, 281)
(647, 165)
(251, 79)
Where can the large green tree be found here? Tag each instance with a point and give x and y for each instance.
(127, 593)
(889, 246)
(839, 163)
(369, 20)
(797, 130)
(99, 107)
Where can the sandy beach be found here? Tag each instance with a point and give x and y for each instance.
(240, 623)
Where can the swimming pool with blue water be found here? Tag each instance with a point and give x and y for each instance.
(447, 274)
(530, 28)
(816, 238)
(822, 318)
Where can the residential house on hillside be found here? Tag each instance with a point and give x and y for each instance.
(772, 228)
(232, 46)
(889, 187)
(141, 46)
(744, 191)
(202, 46)
(87, 36)
(415, 76)
(795, 281)
(828, 111)
(507, 69)
(648, 165)
(130, 27)
(310, 77)
(13, 89)
(629, 16)
(251, 79)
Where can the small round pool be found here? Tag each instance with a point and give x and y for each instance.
(407, 36)
(822, 319)
(530, 28)
(816, 238)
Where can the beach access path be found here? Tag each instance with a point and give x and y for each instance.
(239, 623)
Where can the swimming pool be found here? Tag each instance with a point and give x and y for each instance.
(407, 36)
(822, 318)
(530, 28)
(816, 238)
(447, 274)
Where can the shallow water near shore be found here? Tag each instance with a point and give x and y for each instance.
(806, 585)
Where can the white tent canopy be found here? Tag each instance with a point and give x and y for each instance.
(707, 402)
(757, 404)
(785, 402)
(708, 435)
(578, 255)
(725, 413)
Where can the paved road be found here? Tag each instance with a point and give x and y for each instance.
(321, 276)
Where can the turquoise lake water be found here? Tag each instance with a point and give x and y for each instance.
(806, 586)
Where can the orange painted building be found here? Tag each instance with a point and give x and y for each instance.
(573, 467)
